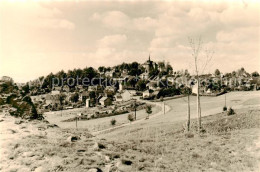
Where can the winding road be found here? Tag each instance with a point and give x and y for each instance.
(159, 104)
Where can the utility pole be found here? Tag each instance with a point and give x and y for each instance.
(163, 107)
(135, 109)
(225, 101)
(76, 122)
(188, 122)
(163, 104)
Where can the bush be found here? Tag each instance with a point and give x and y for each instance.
(130, 117)
(113, 121)
(148, 109)
(189, 135)
(224, 108)
(230, 111)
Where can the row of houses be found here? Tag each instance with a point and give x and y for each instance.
(110, 95)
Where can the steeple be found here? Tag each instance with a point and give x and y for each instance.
(149, 58)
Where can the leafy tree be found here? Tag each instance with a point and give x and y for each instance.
(61, 74)
(113, 121)
(255, 74)
(167, 92)
(10, 99)
(228, 75)
(27, 108)
(217, 72)
(62, 98)
(132, 82)
(102, 69)
(234, 74)
(89, 73)
(141, 85)
(2, 102)
(26, 89)
(47, 84)
(135, 71)
(241, 71)
(92, 94)
(161, 65)
(153, 71)
(7, 87)
(169, 69)
(186, 73)
(130, 117)
(74, 97)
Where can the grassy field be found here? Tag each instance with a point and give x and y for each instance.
(160, 144)
(225, 146)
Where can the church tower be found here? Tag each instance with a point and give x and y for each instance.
(147, 65)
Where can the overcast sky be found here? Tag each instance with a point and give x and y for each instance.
(37, 38)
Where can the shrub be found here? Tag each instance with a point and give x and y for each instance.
(230, 111)
(130, 117)
(189, 135)
(113, 121)
(148, 109)
(224, 108)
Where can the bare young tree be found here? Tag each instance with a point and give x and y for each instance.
(187, 92)
(202, 58)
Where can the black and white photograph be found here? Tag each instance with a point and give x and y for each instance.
(129, 86)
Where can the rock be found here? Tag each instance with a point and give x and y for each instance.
(52, 126)
(11, 131)
(98, 146)
(94, 170)
(1, 120)
(73, 138)
(41, 169)
(107, 159)
(45, 121)
(22, 127)
(41, 128)
(28, 154)
(18, 121)
(126, 162)
(81, 150)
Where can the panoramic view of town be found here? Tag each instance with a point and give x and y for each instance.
(127, 86)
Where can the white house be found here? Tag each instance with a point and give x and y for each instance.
(126, 95)
(110, 88)
(66, 88)
(152, 85)
(146, 94)
(209, 91)
(87, 103)
(144, 75)
(109, 73)
(105, 101)
(118, 97)
(55, 92)
(195, 89)
(38, 98)
(121, 87)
